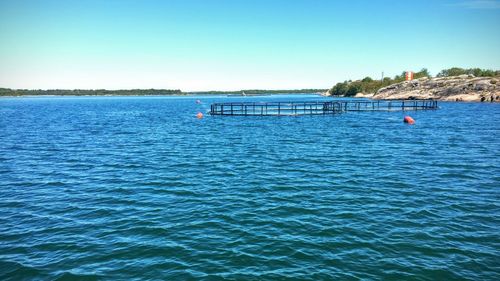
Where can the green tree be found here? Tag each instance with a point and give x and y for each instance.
(422, 73)
(367, 79)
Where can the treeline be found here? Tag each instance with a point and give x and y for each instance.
(368, 85)
(142, 92)
(260, 92)
(478, 72)
(100, 92)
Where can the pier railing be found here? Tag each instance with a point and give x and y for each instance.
(316, 107)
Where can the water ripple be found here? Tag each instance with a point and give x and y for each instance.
(138, 188)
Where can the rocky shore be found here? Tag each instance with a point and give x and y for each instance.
(452, 88)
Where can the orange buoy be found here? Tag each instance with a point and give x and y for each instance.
(409, 120)
(199, 115)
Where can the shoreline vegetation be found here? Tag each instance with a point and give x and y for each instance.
(7, 92)
(453, 84)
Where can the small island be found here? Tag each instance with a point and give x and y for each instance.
(454, 84)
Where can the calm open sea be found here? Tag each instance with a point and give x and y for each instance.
(138, 188)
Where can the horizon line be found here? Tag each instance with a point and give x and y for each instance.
(159, 89)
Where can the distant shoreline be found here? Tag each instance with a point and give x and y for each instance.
(172, 95)
(6, 92)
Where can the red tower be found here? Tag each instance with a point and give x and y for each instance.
(409, 75)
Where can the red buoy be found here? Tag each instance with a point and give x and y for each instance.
(409, 120)
(199, 115)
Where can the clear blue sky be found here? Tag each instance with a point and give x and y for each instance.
(238, 44)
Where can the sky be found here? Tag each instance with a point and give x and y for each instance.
(198, 45)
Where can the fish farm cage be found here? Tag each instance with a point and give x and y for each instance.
(316, 107)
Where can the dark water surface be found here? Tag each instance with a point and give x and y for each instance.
(138, 188)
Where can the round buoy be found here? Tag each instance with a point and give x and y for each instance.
(409, 120)
(198, 101)
(199, 115)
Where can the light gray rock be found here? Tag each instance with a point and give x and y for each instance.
(453, 88)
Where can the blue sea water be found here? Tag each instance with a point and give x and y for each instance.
(100, 188)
